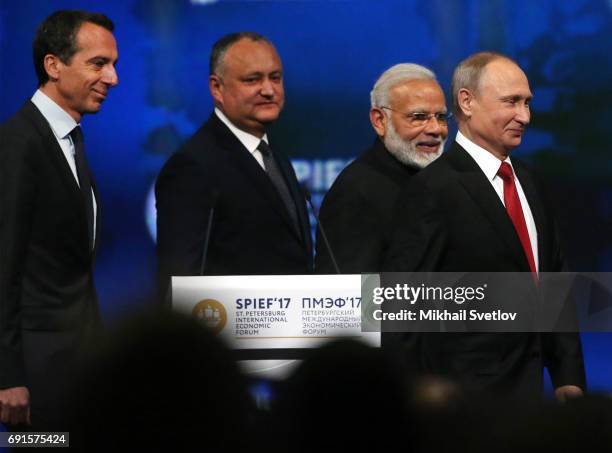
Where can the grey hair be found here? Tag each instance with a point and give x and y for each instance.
(403, 72)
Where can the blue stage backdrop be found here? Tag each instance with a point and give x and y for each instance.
(332, 51)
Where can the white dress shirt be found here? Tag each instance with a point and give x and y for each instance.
(489, 164)
(249, 141)
(61, 124)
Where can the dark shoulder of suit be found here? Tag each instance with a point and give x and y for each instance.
(357, 211)
(249, 233)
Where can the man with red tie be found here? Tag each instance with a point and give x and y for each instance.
(477, 210)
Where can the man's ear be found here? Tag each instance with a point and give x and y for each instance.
(465, 100)
(215, 85)
(53, 66)
(379, 121)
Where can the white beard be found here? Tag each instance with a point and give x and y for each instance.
(406, 152)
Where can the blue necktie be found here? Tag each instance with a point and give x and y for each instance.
(84, 176)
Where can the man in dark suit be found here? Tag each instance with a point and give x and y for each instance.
(228, 202)
(476, 210)
(409, 117)
(50, 217)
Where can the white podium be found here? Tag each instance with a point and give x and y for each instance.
(276, 313)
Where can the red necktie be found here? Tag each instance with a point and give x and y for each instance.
(515, 211)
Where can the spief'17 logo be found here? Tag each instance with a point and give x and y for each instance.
(211, 313)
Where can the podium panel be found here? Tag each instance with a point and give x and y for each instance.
(274, 318)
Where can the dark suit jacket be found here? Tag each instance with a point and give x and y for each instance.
(48, 303)
(449, 219)
(357, 211)
(251, 233)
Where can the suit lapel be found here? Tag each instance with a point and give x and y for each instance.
(243, 159)
(479, 188)
(55, 151)
(56, 156)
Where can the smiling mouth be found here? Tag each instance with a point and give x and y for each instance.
(428, 147)
(102, 96)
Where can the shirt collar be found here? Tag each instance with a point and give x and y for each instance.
(249, 141)
(488, 163)
(60, 121)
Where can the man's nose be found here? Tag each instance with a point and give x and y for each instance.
(267, 88)
(523, 114)
(109, 76)
(434, 126)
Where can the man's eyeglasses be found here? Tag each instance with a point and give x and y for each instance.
(422, 118)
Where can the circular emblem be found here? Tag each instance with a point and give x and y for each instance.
(211, 313)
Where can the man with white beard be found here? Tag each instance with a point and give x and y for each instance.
(409, 115)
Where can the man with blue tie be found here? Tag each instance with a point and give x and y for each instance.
(50, 218)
